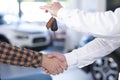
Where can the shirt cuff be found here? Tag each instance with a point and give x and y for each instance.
(62, 13)
(37, 60)
(71, 59)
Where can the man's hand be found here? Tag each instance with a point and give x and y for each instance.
(52, 65)
(59, 57)
(52, 8)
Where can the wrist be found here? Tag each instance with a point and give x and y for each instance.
(43, 57)
(37, 60)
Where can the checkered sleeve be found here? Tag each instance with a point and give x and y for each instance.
(19, 56)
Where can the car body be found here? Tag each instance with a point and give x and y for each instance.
(23, 34)
(105, 68)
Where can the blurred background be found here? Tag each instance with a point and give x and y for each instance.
(23, 24)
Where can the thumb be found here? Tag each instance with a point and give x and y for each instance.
(52, 55)
(59, 56)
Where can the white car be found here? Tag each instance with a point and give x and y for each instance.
(23, 34)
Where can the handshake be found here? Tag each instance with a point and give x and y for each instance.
(54, 63)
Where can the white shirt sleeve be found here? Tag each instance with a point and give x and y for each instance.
(92, 51)
(100, 23)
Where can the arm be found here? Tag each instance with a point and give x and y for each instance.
(102, 23)
(17, 56)
(23, 57)
(92, 51)
(89, 53)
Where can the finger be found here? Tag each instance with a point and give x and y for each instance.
(55, 70)
(60, 70)
(49, 73)
(45, 70)
(46, 7)
(42, 7)
(52, 71)
(53, 55)
(59, 56)
(65, 66)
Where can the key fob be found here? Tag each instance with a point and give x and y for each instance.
(52, 24)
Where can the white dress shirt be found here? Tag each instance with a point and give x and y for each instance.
(105, 26)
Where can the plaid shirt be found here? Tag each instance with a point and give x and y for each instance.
(19, 56)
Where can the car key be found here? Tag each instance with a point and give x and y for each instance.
(52, 24)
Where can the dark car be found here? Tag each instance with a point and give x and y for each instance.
(106, 68)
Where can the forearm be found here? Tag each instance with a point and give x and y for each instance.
(19, 56)
(92, 51)
(102, 23)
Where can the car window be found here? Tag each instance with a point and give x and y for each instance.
(1, 20)
(10, 19)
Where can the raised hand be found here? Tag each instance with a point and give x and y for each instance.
(59, 57)
(52, 8)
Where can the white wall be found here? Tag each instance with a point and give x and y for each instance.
(102, 5)
(9, 6)
(89, 5)
(75, 4)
